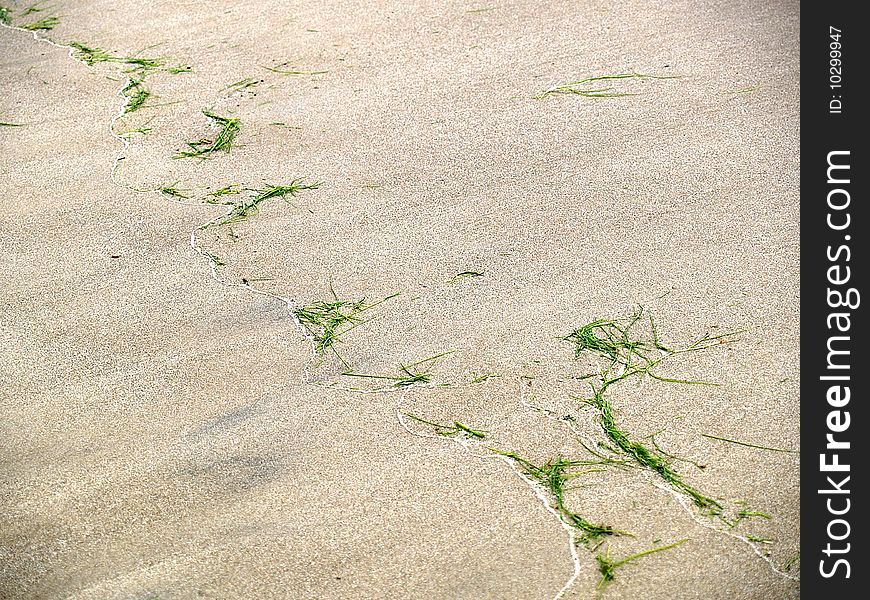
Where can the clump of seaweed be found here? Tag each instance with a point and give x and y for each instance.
(91, 55)
(326, 321)
(607, 566)
(142, 65)
(270, 190)
(407, 374)
(612, 339)
(629, 356)
(457, 428)
(214, 259)
(227, 190)
(745, 513)
(484, 377)
(136, 94)
(243, 84)
(33, 8)
(249, 206)
(174, 192)
(222, 142)
(603, 336)
(552, 476)
(757, 538)
(644, 456)
(587, 87)
(44, 24)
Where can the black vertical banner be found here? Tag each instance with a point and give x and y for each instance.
(835, 224)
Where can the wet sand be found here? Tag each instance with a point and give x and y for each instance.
(169, 432)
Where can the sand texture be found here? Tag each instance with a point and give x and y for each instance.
(172, 426)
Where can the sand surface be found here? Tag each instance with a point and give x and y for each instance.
(168, 431)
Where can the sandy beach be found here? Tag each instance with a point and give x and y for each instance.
(460, 187)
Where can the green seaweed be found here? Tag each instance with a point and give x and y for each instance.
(227, 190)
(748, 445)
(746, 90)
(453, 430)
(33, 8)
(250, 205)
(743, 514)
(136, 94)
(222, 142)
(407, 374)
(484, 377)
(282, 71)
(465, 275)
(215, 260)
(91, 55)
(791, 562)
(144, 130)
(552, 476)
(179, 68)
(607, 566)
(628, 356)
(327, 321)
(174, 192)
(45, 24)
(581, 87)
(642, 455)
(142, 65)
(758, 539)
(244, 84)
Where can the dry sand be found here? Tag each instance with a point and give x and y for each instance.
(168, 434)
